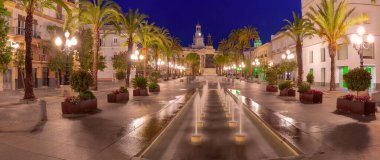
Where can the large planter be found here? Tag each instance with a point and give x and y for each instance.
(140, 92)
(288, 92)
(271, 88)
(356, 107)
(83, 107)
(310, 98)
(117, 98)
(154, 89)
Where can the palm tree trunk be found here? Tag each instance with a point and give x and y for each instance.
(299, 62)
(129, 65)
(28, 81)
(95, 50)
(167, 68)
(145, 53)
(332, 51)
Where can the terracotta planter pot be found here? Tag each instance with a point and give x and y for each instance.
(140, 92)
(117, 98)
(288, 92)
(155, 90)
(271, 88)
(310, 98)
(85, 106)
(343, 105)
(370, 108)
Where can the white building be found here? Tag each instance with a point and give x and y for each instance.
(316, 57)
(111, 45)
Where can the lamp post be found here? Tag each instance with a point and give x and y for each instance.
(288, 56)
(256, 63)
(67, 48)
(137, 57)
(361, 43)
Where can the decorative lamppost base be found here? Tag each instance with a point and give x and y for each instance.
(240, 139)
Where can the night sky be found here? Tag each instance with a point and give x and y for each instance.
(217, 17)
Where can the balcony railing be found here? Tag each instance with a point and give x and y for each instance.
(21, 31)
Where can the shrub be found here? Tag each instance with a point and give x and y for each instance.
(81, 81)
(363, 98)
(123, 90)
(312, 91)
(120, 75)
(358, 79)
(72, 99)
(304, 87)
(154, 76)
(116, 92)
(139, 83)
(86, 95)
(310, 78)
(271, 77)
(348, 97)
(285, 85)
(153, 85)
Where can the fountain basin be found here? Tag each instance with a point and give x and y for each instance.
(240, 139)
(232, 124)
(200, 124)
(196, 139)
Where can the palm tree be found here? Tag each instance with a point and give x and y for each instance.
(173, 49)
(97, 14)
(298, 30)
(160, 45)
(29, 6)
(146, 36)
(130, 24)
(193, 60)
(331, 23)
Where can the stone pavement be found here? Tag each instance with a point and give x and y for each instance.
(331, 135)
(118, 132)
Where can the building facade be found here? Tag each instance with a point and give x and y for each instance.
(316, 57)
(43, 35)
(206, 52)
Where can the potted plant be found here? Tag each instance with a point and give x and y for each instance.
(308, 95)
(119, 95)
(357, 80)
(85, 102)
(271, 78)
(120, 75)
(153, 87)
(286, 89)
(140, 86)
(310, 78)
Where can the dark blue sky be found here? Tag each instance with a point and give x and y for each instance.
(217, 17)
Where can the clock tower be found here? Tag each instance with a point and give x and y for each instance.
(198, 39)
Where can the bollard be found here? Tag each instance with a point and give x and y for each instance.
(42, 104)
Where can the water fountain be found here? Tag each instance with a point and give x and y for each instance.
(232, 123)
(228, 105)
(240, 137)
(196, 137)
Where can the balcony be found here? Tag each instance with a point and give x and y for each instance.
(21, 32)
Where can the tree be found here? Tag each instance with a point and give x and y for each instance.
(29, 6)
(130, 24)
(193, 60)
(146, 36)
(119, 63)
(5, 50)
(358, 80)
(298, 30)
(331, 23)
(85, 52)
(98, 13)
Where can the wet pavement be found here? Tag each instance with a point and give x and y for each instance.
(317, 130)
(120, 131)
(217, 138)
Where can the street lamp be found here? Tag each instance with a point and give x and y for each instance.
(288, 55)
(67, 48)
(360, 43)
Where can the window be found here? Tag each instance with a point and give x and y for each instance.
(115, 40)
(311, 60)
(323, 54)
(370, 52)
(343, 52)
